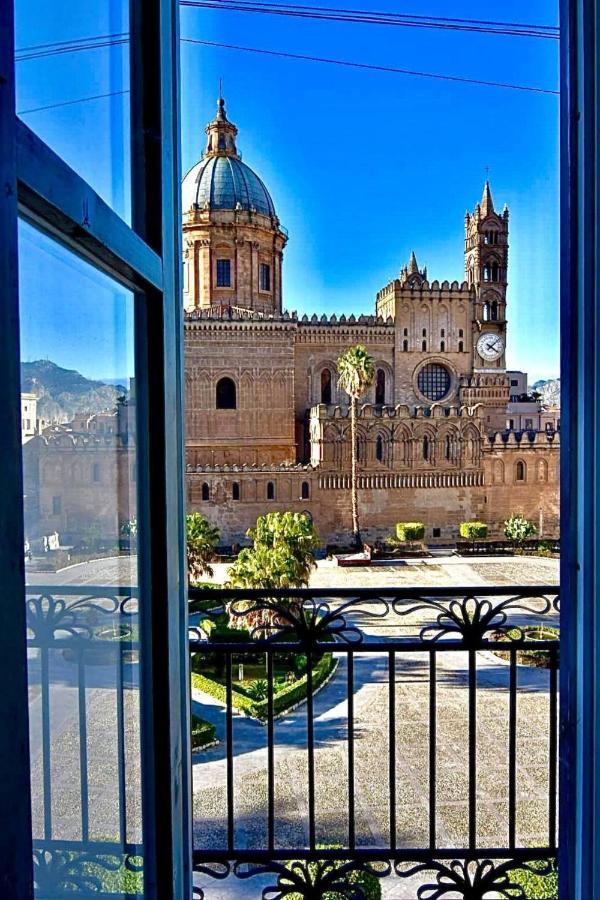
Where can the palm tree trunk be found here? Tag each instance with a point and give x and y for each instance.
(354, 477)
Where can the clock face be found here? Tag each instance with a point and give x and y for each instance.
(490, 346)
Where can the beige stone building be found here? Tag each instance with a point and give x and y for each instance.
(268, 427)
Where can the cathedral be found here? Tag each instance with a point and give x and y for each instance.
(267, 426)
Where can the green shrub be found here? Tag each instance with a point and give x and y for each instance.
(536, 887)
(545, 548)
(259, 689)
(473, 531)
(410, 531)
(517, 529)
(367, 884)
(203, 732)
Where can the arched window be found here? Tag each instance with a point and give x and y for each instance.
(495, 272)
(379, 448)
(461, 332)
(461, 347)
(305, 492)
(424, 346)
(235, 491)
(424, 332)
(442, 346)
(205, 491)
(406, 332)
(380, 387)
(270, 490)
(520, 471)
(448, 447)
(226, 393)
(405, 346)
(486, 312)
(443, 332)
(486, 273)
(326, 386)
(426, 447)
(494, 311)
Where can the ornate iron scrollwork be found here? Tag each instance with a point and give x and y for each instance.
(472, 618)
(473, 879)
(316, 879)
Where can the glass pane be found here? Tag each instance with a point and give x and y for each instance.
(73, 87)
(79, 457)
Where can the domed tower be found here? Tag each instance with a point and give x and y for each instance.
(232, 239)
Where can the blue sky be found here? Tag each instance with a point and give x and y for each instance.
(363, 166)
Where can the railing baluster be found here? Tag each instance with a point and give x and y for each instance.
(270, 748)
(46, 761)
(472, 750)
(83, 755)
(351, 800)
(432, 748)
(229, 726)
(121, 747)
(552, 784)
(310, 744)
(392, 745)
(512, 749)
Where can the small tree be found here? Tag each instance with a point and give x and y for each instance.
(202, 538)
(294, 533)
(473, 531)
(517, 529)
(356, 373)
(409, 532)
(282, 556)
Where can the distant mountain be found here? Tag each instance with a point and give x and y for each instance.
(63, 392)
(549, 389)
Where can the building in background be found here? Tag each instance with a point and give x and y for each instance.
(28, 417)
(268, 427)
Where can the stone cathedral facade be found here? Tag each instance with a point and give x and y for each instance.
(267, 426)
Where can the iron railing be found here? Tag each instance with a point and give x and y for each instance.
(437, 643)
(424, 758)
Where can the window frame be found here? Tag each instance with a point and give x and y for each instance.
(44, 191)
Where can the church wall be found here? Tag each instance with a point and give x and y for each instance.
(441, 499)
(259, 358)
(319, 344)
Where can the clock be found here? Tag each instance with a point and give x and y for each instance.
(490, 346)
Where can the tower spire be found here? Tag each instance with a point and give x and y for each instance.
(413, 268)
(487, 204)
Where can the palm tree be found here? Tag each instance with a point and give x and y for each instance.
(356, 373)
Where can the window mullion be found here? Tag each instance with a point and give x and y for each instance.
(16, 861)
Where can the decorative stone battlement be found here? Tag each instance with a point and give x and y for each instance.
(524, 440)
(449, 288)
(252, 468)
(401, 411)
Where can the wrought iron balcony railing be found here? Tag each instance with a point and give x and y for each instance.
(429, 756)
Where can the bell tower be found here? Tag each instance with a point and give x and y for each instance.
(486, 270)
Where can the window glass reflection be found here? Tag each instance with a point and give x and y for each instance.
(79, 459)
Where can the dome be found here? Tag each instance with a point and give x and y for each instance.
(225, 182)
(221, 180)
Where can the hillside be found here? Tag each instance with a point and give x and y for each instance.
(549, 389)
(63, 392)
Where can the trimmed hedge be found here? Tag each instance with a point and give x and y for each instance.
(203, 732)
(473, 531)
(410, 531)
(282, 700)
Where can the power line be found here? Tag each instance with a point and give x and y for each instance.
(23, 112)
(548, 32)
(376, 68)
